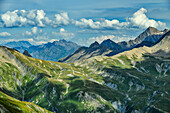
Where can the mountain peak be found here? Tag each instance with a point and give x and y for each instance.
(107, 41)
(152, 30)
(165, 30)
(62, 40)
(95, 44)
(27, 53)
(111, 44)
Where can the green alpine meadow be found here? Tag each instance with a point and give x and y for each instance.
(132, 81)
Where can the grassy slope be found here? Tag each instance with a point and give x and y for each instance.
(85, 88)
(9, 104)
(49, 85)
(144, 80)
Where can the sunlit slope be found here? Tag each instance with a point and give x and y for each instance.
(11, 105)
(143, 82)
(132, 81)
(55, 86)
(161, 48)
(141, 74)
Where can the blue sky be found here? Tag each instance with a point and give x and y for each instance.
(80, 21)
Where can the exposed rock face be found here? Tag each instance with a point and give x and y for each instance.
(27, 53)
(111, 45)
(150, 34)
(144, 43)
(109, 48)
(94, 49)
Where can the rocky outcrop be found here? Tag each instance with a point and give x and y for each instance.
(27, 53)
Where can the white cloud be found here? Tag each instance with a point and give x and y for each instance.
(31, 15)
(5, 34)
(38, 35)
(34, 30)
(28, 33)
(12, 19)
(20, 18)
(40, 17)
(30, 40)
(139, 19)
(52, 40)
(62, 30)
(61, 19)
(100, 24)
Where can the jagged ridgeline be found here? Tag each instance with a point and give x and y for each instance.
(132, 81)
(110, 48)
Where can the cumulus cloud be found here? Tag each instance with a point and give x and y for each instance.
(5, 34)
(12, 19)
(38, 18)
(61, 19)
(34, 30)
(20, 18)
(139, 20)
(100, 24)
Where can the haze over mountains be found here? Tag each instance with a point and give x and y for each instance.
(50, 51)
(134, 81)
(60, 49)
(13, 44)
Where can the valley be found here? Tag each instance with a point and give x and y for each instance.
(133, 81)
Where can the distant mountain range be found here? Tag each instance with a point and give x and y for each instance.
(150, 34)
(109, 48)
(13, 44)
(50, 51)
(67, 51)
(133, 81)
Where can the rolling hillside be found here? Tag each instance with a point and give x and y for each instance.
(11, 105)
(132, 81)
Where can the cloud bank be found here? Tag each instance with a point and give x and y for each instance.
(138, 20)
(38, 18)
